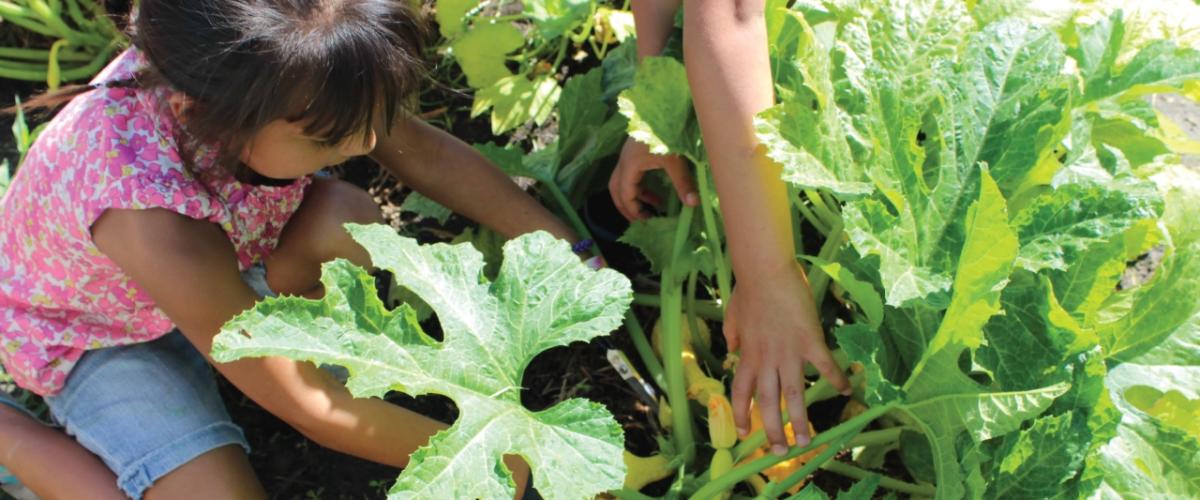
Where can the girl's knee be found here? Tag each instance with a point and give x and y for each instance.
(340, 202)
(223, 472)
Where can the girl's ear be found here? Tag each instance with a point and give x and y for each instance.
(180, 106)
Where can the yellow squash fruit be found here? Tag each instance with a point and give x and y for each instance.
(664, 413)
(703, 335)
(722, 461)
(641, 471)
(699, 385)
(721, 430)
(782, 470)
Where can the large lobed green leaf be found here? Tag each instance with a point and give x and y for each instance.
(993, 160)
(543, 297)
(987, 156)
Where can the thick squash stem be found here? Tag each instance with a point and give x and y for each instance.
(672, 348)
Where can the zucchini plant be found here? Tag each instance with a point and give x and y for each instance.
(511, 51)
(975, 176)
(542, 297)
(84, 40)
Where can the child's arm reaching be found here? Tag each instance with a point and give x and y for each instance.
(190, 270)
(452, 173)
(771, 314)
(655, 20)
(162, 251)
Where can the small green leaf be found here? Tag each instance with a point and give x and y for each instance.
(659, 108)
(481, 52)
(1161, 462)
(554, 18)
(421, 205)
(1169, 300)
(862, 490)
(451, 16)
(5, 176)
(516, 100)
(654, 238)
(864, 345)
(1072, 218)
(863, 293)
(1037, 462)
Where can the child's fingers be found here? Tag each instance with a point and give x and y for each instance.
(622, 187)
(729, 329)
(648, 197)
(684, 184)
(767, 397)
(792, 378)
(823, 360)
(743, 388)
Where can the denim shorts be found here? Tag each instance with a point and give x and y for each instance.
(145, 409)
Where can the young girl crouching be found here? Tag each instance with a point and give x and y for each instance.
(188, 160)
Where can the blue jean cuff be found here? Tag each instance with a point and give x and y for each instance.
(139, 476)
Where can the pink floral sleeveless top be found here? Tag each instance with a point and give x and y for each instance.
(108, 148)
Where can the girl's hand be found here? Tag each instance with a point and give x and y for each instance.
(775, 324)
(625, 184)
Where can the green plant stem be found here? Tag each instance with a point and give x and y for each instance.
(508, 18)
(562, 52)
(672, 344)
(24, 18)
(628, 494)
(23, 65)
(876, 438)
(818, 279)
(810, 216)
(636, 333)
(702, 350)
(572, 216)
(54, 22)
(706, 309)
(844, 430)
(851, 471)
(77, 14)
(828, 215)
(757, 438)
(644, 350)
(714, 236)
(776, 488)
(40, 55)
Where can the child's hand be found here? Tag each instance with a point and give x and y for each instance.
(775, 323)
(625, 184)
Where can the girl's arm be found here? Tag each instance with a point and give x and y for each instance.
(190, 270)
(654, 19)
(452, 173)
(772, 314)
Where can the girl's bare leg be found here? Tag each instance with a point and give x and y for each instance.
(221, 473)
(50, 463)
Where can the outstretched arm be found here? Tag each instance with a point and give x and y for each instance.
(655, 19)
(160, 249)
(452, 173)
(771, 316)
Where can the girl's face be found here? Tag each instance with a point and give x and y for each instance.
(281, 150)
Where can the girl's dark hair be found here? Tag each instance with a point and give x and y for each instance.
(336, 65)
